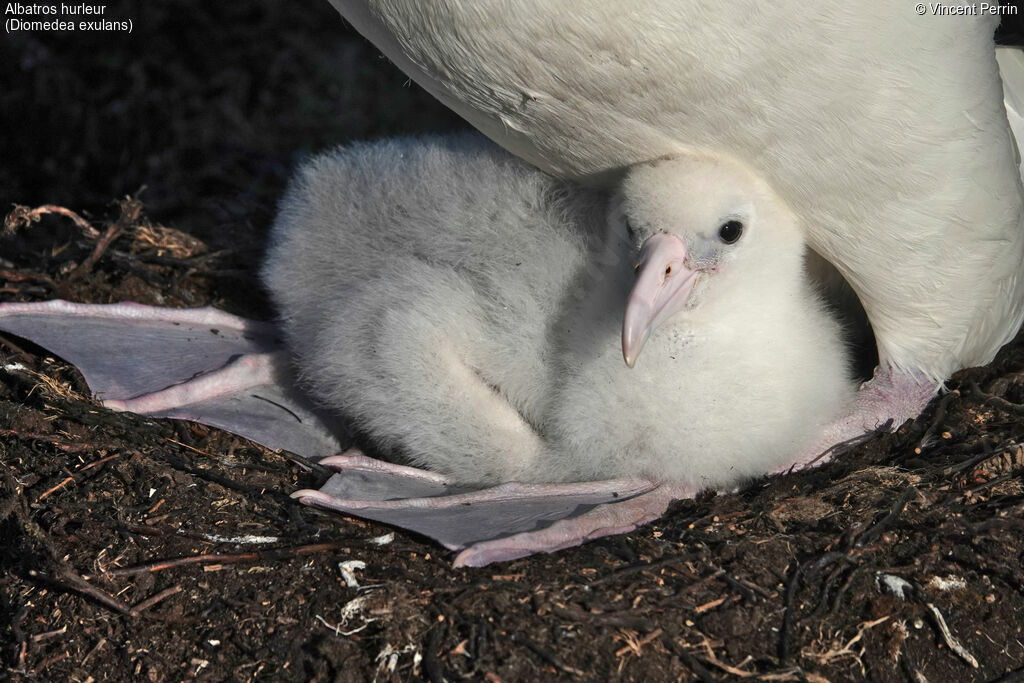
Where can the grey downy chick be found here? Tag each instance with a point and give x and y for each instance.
(459, 309)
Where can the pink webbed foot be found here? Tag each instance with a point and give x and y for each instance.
(503, 522)
(198, 364)
(891, 397)
(606, 519)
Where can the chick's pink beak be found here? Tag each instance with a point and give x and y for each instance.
(663, 286)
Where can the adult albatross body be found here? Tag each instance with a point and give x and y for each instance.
(884, 129)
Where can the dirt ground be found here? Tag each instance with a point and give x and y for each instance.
(136, 549)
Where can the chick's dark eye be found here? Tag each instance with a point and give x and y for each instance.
(730, 231)
(630, 230)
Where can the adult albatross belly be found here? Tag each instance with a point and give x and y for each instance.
(885, 130)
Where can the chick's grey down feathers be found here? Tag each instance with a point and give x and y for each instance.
(464, 311)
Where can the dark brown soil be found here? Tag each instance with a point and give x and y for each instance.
(139, 549)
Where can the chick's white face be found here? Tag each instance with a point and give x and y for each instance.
(696, 221)
(709, 204)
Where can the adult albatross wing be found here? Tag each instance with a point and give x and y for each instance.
(884, 129)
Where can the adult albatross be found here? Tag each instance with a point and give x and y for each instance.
(882, 127)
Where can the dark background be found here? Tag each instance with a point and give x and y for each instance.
(209, 105)
(1011, 28)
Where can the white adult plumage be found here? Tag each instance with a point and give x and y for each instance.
(465, 311)
(884, 130)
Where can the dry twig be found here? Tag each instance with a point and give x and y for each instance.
(21, 216)
(273, 554)
(69, 580)
(149, 602)
(131, 210)
(846, 649)
(947, 636)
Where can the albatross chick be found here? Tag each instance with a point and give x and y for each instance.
(459, 308)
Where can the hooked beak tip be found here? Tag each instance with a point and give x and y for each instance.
(632, 344)
(662, 288)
